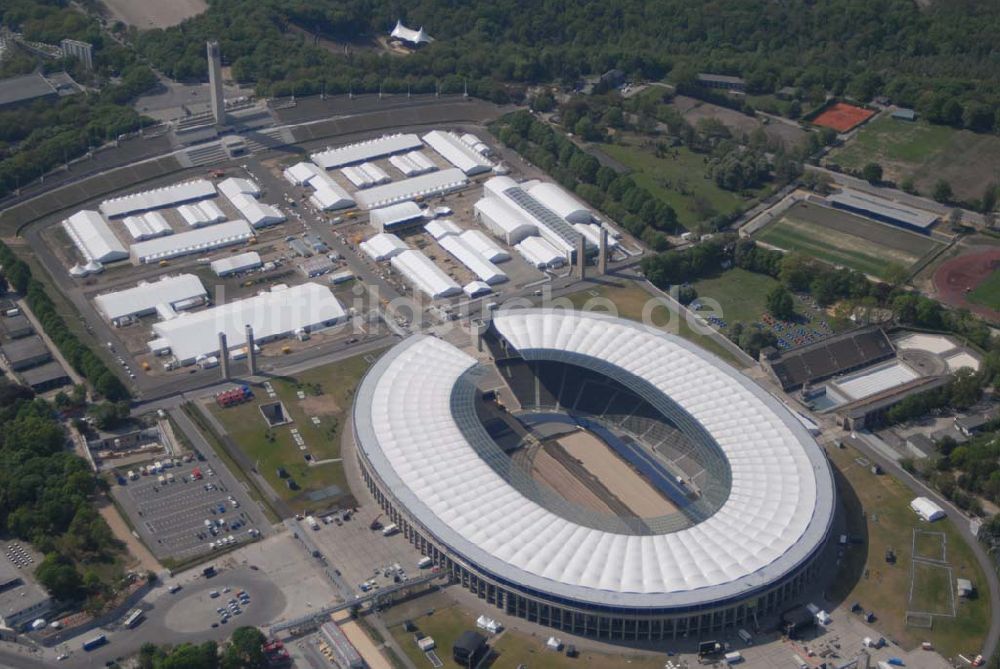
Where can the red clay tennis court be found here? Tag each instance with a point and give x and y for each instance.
(842, 117)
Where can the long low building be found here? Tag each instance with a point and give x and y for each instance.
(396, 216)
(540, 253)
(93, 237)
(328, 193)
(484, 270)
(413, 163)
(189, 191)
(551, 225)
(242, 262)
(180, 292)
(243, 194)
(451, 147)
(425, 185)
(748, 546)
(147, 226)
(503, 220)
(365, 175)
(282, 312)
(424, 275)
(365, 151)
(383, 246)
(198, 240)
(484, 246)
(886, 211)
(197, 214)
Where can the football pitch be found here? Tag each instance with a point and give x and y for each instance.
(844, 239)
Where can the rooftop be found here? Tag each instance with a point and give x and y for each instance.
(24, 88)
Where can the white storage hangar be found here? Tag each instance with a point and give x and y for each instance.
(198, 240)
(477, 288)
(242, 262)
(147, 226)
(279, 313)
(93, 238)
(383, 246)
(183, 291)
(189, 191)
(425, 185)
(592, 233)
(243, 193)
(503, 220)
(484, 246)
(396, 216)
(328, 193)
(478, 265)
(552, 227)
(561, 202)
(425, 276)
(429, 461)
(365, 175)
(441, 228)
(539, 253)
(201, 213)
(451, 147)
(365, 151)
(412, 163)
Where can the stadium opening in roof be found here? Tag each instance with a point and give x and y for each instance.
(595, 475)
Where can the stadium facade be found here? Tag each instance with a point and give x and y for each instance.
(739, 549)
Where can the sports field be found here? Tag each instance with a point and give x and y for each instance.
(988, 292)
(842, 117)
(877, 510)
(844, 239)
(677, 177)
(925, 153)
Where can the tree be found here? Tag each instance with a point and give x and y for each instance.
(245, 650)
(872, 173)
(60, 578)
(896, 274)
(780, 304)
(942, 191)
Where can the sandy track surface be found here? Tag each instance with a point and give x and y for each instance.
(122, 532)
(551, 472)
(616, 475)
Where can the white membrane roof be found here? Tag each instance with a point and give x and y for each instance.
(777, 515)
(144, 297)
(367, 150)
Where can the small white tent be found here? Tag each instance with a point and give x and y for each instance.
(927, 509)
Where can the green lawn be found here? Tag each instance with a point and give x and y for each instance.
(679, 181)
(630, 300)
(877, 508)
(329, 392)
(988, 292)
(932, 589)
(740, 293)
(786, 237)
(512, 648)
(925, 153)
(893, 140)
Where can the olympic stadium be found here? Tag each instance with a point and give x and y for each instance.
(594, 475)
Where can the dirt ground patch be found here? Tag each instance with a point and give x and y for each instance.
(149, 14)
(550, 471)
(137, 550)
(693, 110)
(616, 475)
(319, 405)
(959, 276)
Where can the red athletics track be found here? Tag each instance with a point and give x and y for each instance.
(958, 276)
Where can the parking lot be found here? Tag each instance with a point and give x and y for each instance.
(183, 518)
(362, 555)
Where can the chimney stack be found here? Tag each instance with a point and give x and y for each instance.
(215, 82)
(251, 354)
(224, 356)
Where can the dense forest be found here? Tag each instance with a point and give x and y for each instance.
(937, 58)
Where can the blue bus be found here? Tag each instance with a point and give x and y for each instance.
(96, 642)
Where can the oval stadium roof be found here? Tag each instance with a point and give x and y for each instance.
(777, 515)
